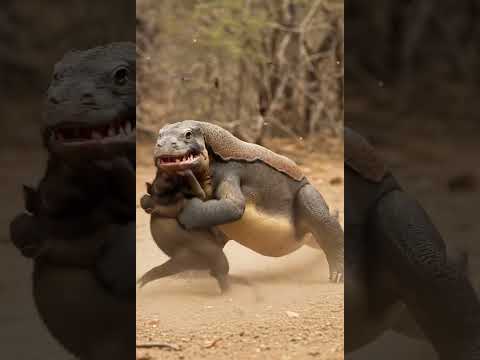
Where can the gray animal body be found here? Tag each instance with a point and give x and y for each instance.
(397, 269)
(259, 199)
(79, 227)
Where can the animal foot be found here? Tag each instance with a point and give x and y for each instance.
(26, 236)
(149, 276)
(336, 277)
(146, 203)
(142, 281)
(224, 283)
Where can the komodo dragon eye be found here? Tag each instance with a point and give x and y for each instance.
(121, 76)
(188, 135)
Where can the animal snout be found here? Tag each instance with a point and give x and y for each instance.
(168, 143)
(171, 142)
(87, 97)
(86, 92)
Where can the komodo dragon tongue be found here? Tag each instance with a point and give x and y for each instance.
(229, 147)
(362, 157)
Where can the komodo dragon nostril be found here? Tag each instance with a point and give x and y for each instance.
(87, 98)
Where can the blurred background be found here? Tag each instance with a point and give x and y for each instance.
(224, 61)
(412, 84)
(34, 35)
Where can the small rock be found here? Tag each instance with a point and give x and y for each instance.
(292, 314)
(336, 180)
(211, 344)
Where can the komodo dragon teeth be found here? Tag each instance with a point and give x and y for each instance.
(69, 132)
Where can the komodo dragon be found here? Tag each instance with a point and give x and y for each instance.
(82, 233)
(396, 259)
(260, 199)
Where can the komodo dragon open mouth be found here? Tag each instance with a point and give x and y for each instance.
(118, 130)
(180, 162)
(87, 141)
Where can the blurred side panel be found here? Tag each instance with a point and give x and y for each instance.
(34, 36)
(412, 82)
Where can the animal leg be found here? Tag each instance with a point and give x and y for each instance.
(183, 260)
(216, 260)
(313, 214)
(436, 292)
(406, 324)
(27, 235)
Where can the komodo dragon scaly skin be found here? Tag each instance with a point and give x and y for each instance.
(396, 261)
(79, 226)
(260, 199)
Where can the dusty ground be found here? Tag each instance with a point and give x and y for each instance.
(291, 312)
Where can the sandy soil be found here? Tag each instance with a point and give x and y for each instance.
(290, 312)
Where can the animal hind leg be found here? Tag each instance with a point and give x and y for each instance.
(218, 262)
(182, 261)
(313, 214)
(211, 249)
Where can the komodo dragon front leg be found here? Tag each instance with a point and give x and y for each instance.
(418, 271)
(228, 206)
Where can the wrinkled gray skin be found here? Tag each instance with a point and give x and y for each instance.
(398, 274)
(79, 225)
(252, 203)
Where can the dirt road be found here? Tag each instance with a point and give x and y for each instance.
(290, 312)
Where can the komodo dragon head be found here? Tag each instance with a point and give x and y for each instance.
(180, 147)
(90, 103)
(186, 145)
